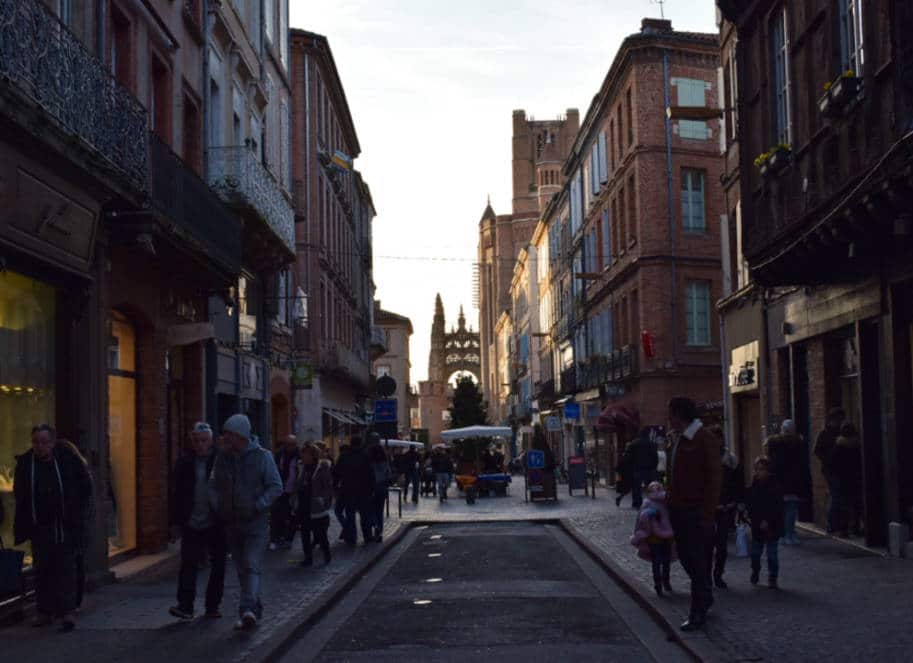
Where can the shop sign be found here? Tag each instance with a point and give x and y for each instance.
(743, 368)
(552, 423)
(302, 375)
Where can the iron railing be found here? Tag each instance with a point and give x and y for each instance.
(47, 64)
(188, 202)
(240, 179)
(602, 369)
(569, 380)
(339, 360)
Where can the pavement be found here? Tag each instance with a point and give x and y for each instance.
(837, 601)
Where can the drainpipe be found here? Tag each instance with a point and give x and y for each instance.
(671, 202)
(728, 289)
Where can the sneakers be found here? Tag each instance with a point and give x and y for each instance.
(248, 621)
(180, 613)
(754, 577)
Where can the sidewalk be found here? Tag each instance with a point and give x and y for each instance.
(130, 621)
(836, 602)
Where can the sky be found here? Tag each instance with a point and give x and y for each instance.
(432, 86)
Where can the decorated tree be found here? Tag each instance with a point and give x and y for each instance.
(468, 409)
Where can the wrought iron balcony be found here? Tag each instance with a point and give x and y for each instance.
(614, 367)
(378, 342)
(241, 180)
(195, 212)
(338, 360)
(569, 380)
(43, 64)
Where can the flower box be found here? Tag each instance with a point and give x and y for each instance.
(839, 95)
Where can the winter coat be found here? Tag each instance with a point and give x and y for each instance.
(442, 464)
(824, 448)
(383, 474)
(652, 523)
(696, 474)
(353, 475)
(243, 488)
(847, 464)
(641, 456)
(75, 485)
(764, 500)
(185, 479)
(317, 482)
(789, 464)
(733, 486)
(287, 464)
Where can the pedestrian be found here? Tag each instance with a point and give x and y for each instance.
(53, 492)
(443, 472)
(641, 460)
(383, 475)
(789, 464)
(339, 506)
(281, 524)
(88, 518)
(847, 459)
(412, 469)
(191, 519)
(312, 501)
(242, 488)
(354, 478)
(653, 536)
(824, 450)
(732, 494)
(695, 478)
(764, 500)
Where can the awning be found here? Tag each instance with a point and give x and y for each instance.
(589, 395)
(335, 414)
(562, 401)
(618, 418)
(476, 431)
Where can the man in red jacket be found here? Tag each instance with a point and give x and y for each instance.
(695, 475)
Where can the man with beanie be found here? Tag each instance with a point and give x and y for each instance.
(242, 488)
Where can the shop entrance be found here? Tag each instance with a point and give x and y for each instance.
(122, 434)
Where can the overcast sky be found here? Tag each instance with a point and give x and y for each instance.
(431, 85)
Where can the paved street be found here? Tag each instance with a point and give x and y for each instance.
(502, 591)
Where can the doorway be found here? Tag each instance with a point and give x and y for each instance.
(872, 442)
(279, 419)
(122, 434)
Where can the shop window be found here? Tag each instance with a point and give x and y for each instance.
(27, 395)
(122, 434)
(249, 309)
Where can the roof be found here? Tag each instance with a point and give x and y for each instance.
(489, 213)
(382, 317)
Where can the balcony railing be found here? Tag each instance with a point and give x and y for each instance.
(569, 380)
(339, 360)
(546, 389)
(379, 341)
(188, 202)
(240, 179)
(602, 369)
(41, 60)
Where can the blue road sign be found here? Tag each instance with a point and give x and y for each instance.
(572, 410)
(535, 459)
(384, 410)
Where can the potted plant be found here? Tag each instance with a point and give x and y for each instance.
(839, 93)
(773, 160)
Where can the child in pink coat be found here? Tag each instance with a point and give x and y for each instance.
(653, 536)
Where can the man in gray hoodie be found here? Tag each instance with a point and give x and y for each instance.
(242, 488)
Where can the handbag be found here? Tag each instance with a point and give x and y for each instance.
(742, 538)
(11, 581)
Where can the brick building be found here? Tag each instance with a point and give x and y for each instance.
(539, 148)
(634, 237)
(396, 330)
(825, 103)
(334, 258)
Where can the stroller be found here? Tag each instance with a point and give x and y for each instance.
(429, 484)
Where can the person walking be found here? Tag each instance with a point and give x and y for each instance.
(412, 468)
(443, 472)
(314, 497)
(847, 459)
(764, 500)
(653, 536)
(53, 492)
(355, 481)
(192, 520)
(789, 465)
(695, 479)
(243, 486)
(281, 524)
(383, 475)
(89, 518)
(824, 451)
(339, 506)
(641, 462)
(732, 494)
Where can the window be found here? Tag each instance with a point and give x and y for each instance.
(851, 36)
(160, 100)
(612, 138)
(621, 124)
(606, 238)
(697, 312)
(269, 18)
(779, 51)
(730, 94)
(383, 370)
(622, 221)
(632, 211)
(215, 120)
(630, 107)
(121, 48)
(192, 133)
(603, 163)
(692, 94)
(693, 201)
(255, 133)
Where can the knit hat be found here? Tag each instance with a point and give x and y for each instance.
(238, 424)
(201, 427)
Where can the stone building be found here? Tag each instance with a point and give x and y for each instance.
(825, 104)
(396, 330)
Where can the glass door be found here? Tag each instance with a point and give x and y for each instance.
(122, 435)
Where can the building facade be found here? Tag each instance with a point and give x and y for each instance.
(334, 258)
(825, 102)
(396, 330)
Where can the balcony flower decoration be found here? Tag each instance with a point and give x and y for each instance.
(839, 93)
(773, 160)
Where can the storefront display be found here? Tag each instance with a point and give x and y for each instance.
(122, 434)
(27, 394)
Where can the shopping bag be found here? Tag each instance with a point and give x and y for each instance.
(10, 571)
(742, 538)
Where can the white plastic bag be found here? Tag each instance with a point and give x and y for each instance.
(742, 539)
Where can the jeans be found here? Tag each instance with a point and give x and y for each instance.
(414, 478)
(693, 541)
(363, 506)
(773, 558)
(378, 501)
(314, 530)
(718, 552)
(195, 546)
(443, 483)
(790, 514)
(661, 558)
(248, 545)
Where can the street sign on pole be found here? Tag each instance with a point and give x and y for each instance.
(384, 410)
(572, 410)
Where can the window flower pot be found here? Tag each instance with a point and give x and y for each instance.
(839, 95)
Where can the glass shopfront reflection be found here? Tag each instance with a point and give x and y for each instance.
(27, 375)
(122, 434)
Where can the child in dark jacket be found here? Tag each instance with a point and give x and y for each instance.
(765, 509)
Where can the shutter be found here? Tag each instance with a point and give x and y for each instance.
(603, 164)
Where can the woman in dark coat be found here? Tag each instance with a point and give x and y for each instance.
(315, 497)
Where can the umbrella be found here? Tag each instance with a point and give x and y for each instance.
(476, 431)
(619, 417)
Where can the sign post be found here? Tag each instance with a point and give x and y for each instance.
(576, 475)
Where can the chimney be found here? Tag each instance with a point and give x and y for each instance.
(655, 26)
